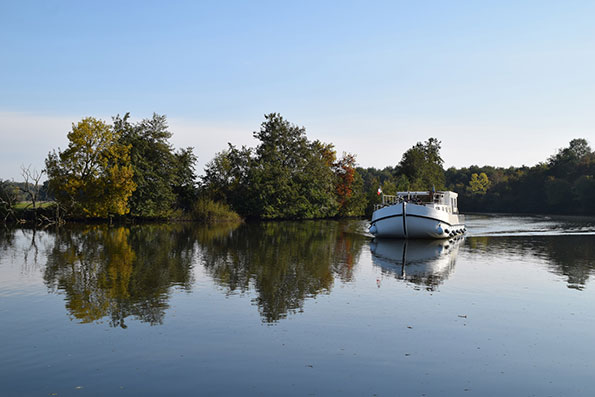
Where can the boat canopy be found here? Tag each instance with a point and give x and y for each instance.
(426, 197)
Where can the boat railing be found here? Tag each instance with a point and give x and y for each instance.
(387, 200)
(428, 198)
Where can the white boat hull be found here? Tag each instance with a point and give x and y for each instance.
(407, 220)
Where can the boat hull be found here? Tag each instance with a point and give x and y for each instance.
(406, 220)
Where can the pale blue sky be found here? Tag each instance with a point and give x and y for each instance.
(499, 83)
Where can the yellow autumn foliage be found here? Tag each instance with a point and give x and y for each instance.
(93, 176)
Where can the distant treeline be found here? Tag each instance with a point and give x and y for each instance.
(131, 171)
(20, 190)
(562, 184)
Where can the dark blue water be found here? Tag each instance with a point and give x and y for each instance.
(299, 308)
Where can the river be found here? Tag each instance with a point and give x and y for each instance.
(299, 308)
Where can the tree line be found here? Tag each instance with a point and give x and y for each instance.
(131, 170)
(562, 184)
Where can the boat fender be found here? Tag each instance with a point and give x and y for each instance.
(447, 231)
(373, 229)
(439, 230)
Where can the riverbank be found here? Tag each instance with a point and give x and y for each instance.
(204, 211)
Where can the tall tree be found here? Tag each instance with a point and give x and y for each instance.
(164, 179)
(184, 182)
(422, 165)
(93, 176)
(280, 157)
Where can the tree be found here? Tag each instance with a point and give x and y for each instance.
(567, 160)
(389, 188)
(285, 176)
(31, 186)
(422, 165)
(317, 182)
(478, 184)
(164, 178)
(8, 198)
(279, 159)
(584, 191)
(218, 178)
(93, 176)
(184, 182)
(228, 179)
(349, 187)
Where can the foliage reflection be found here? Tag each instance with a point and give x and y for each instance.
(117, 272)
(120, 272)
(571, 256)
(113, 273)
(284, 262)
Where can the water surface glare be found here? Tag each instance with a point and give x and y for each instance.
(299, 308)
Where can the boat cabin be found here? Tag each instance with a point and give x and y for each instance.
(440, 200)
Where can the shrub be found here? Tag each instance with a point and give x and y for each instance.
(209, 211)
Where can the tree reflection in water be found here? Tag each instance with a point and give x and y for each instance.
(572, 256)
(117, 272)
(285, 262)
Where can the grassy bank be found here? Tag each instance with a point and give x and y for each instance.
(204, 211)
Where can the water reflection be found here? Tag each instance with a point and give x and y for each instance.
(120, 272)
(115, 273)
(571, 256)
(424, 263)
(284, 262)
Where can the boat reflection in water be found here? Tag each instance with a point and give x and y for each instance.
(425, 262)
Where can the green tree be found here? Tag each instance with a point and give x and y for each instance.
(286, 176)
(422, 165)
(227, 178)
(279, 159)
(8, 199)
(566, 162)
(164, 178)
(389, 187)
(93, 176)
(318, 182)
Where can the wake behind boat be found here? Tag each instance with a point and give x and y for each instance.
(418, 215)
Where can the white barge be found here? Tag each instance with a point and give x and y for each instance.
(418, 215)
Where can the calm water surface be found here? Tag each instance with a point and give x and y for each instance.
(299, 308)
